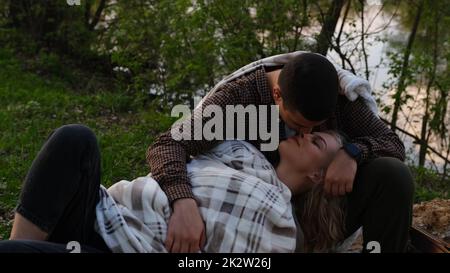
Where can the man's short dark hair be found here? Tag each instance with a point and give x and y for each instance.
(309, 85)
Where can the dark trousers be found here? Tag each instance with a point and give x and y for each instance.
(61, 191)
(381, 202)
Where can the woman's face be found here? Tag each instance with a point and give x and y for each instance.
(307, 153)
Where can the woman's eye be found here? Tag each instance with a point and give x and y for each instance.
(317, 144)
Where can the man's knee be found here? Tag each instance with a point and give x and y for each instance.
(75, 135)
(392, 175)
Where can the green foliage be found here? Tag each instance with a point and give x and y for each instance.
(181, 48)
(427, 73)
(429, 185)
(56, 40)
(49, 24)
(33, 106)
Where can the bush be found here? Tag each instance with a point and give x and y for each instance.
(429, 184)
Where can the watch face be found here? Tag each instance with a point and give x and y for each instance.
(352, 150)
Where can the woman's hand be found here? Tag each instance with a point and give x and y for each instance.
(186, 231)
(340, 174)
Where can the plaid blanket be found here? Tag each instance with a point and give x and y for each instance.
(242, 202)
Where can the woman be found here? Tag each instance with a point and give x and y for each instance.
(58, 201)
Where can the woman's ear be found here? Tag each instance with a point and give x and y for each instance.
(276, 94)
(317, 176)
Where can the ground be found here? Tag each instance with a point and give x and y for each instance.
(434, 217)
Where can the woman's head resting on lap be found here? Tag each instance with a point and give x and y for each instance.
(304, 159)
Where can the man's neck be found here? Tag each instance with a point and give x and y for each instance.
(272, 77)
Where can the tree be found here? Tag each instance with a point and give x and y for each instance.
(181, 48)
(55, 26)
(426, 71)
(404, 69)
(329, 25)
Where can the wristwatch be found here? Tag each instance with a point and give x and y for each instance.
(353, 151)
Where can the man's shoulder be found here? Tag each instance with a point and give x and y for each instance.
(250, 88)
(344, 103)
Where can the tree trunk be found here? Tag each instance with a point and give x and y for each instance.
(401, 82)
(14, 10)
(87, 12)
(444, 174)
(431, 77)
(305, 19)
(329, 25)
(97, 15)
(337, 48)
(423, 133)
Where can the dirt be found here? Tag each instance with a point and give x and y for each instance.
(434, 217)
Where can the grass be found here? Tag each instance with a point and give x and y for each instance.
(31, 106)
(429, 185)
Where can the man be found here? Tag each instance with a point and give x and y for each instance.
(368, 169)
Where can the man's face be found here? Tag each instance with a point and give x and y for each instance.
(296, 121)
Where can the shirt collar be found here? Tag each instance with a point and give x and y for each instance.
(262, 84)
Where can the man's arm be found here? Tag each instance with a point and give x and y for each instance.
(369, 133)
(167, 157)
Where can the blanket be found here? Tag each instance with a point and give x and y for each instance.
(245, 207)
(351, 85)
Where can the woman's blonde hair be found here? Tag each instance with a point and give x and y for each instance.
(321, 217)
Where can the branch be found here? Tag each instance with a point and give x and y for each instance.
(417, 139)
(324, 39)
(363, 40)
(97, 15)
(343, 57)
(347, 9)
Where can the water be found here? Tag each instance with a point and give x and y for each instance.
(383, 26)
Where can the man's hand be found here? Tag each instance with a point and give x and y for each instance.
(340, 174)
(186, 231)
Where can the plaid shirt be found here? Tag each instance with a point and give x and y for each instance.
(168, 157)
